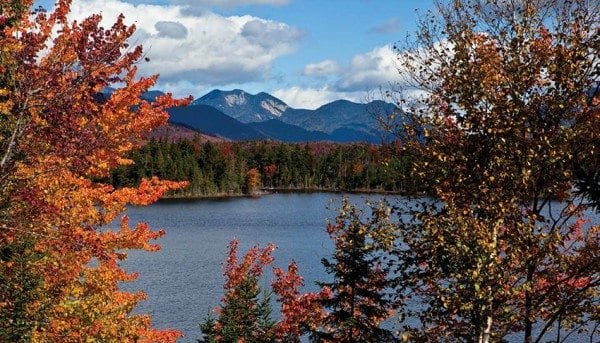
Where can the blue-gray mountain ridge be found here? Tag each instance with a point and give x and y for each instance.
(239, 115)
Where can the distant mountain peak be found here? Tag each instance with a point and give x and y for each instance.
(244, 106)
(342, 101)
(339, 103)
(263, 115)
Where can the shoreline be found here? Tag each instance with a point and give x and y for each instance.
(332, 190)
(218, 196)
(268, 191)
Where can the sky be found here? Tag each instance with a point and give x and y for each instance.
(305, 52)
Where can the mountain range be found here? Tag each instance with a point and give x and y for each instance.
(238, 115)
(243, 106)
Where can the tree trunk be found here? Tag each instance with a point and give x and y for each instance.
(528, 296)
(484, 335)
(528, 305)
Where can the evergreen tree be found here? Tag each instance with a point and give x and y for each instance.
(359, 302)
(242, 316)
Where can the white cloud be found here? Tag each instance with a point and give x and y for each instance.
(269, 34)
(171, 29)
(376, 68)
(312, 98)
(205, 48)
(383, 67)
(231, 3)
(199, 6)
(323, 68)
(360, 81)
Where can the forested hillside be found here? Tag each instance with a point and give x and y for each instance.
(222, 168)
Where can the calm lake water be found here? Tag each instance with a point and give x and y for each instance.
(184, 279)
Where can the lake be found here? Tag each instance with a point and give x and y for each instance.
(184, 279)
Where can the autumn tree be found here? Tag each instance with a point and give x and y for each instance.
(243, 316)
(301, 313)
(269, 171)
(252, 181)
(60, 273)
(360, 288)
(511, 108)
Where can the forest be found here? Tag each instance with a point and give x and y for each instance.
(222, 168)
(506, 140)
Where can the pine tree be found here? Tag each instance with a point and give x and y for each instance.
(359, 302)
(243, 315)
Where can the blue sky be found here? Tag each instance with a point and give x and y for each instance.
(307, 52)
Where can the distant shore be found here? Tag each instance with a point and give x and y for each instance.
(332, 190)
(192, 197)
(268, 191)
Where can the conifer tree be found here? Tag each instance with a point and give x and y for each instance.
(242, 315)
(360, 301)
(245, 317)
